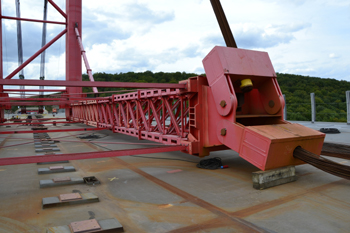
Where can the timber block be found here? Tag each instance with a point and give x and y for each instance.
(107, 226)
(52, 183)
(49, 202)
(48, 171)
(274, 177)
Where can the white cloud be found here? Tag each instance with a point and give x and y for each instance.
(301, 36)
(333, 55)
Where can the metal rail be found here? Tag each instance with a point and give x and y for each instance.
(87, 155)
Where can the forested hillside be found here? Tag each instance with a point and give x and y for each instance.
(329, 93)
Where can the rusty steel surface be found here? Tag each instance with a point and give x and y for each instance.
(85, 226)
(144, 197)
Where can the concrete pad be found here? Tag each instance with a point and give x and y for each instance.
(59, 229)
(274, 177)
(51, 183)
(49, 202)
(48, 171)
(107, 226)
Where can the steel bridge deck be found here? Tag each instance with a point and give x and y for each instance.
(144, 197)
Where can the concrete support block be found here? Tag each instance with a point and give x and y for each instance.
(274, 177)
(48, 171)
(51, 183)
(49, 202)
(107, 226)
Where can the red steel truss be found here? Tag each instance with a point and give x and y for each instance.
(238, 105)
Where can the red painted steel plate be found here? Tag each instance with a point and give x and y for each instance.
(174, 171)
(85, 226)
(61, 179)
(56, 167)
(70, 197)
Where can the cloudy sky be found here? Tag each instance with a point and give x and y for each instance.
(307, 37)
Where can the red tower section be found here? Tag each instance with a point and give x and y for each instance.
(73, 53)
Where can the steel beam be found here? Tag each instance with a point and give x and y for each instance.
(51, 131)
(2, 111)
(87, 155)
(33, 90)
(73, 54)
(42, 123)
(61, 83)
(35, 55)
(35, 103)
(57, 8)
(86, 62)
(29, 99)
(224, 26)
(33, 20)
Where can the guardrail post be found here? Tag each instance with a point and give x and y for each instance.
(313, 108)
(348, 106)
(285, 108)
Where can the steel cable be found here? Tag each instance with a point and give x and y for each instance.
(336, 150)
(323, 164)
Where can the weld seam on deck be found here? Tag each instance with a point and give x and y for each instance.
(195, 200)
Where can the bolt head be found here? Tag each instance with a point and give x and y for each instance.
(223, 103)
(223, 132)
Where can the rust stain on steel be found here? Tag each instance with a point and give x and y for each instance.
(212, 223)
(132, 210)
(89, 144)
(5, 140)
(242, 225)
(270, 204)
(12, 225)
